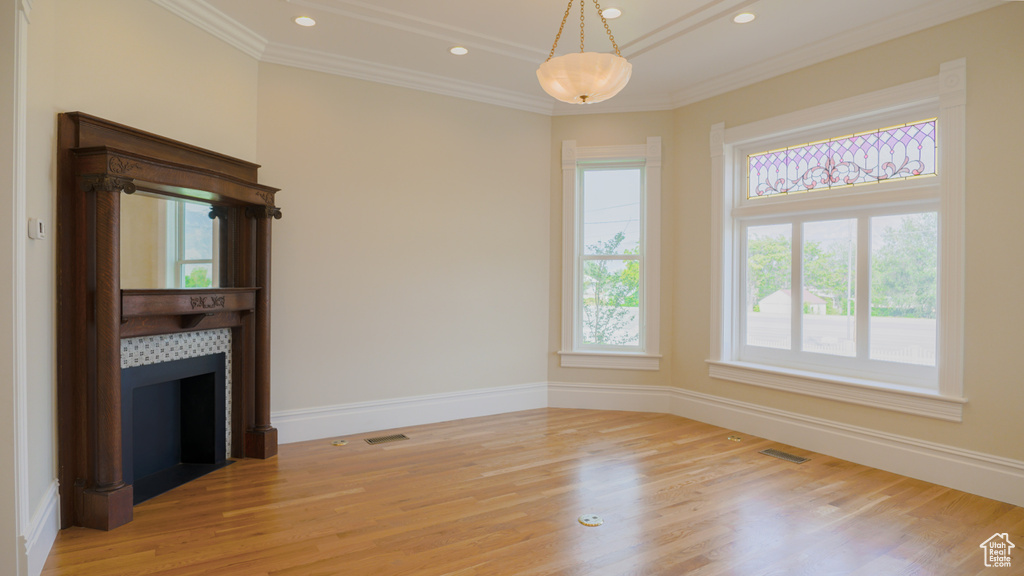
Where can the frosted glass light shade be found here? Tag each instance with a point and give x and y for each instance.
(584, 77)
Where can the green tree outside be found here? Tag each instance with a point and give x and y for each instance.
(611, 297)
(198, 278)
(903, 269)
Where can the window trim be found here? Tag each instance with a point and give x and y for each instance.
(945, 93)
(573, 157)
(176, 246)
(860, 368)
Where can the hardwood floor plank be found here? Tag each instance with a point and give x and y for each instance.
(500, 496)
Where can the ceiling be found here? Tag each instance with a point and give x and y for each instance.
(682, 51)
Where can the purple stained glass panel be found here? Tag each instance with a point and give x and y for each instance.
(894, 153)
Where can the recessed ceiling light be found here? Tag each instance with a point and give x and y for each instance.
(611, 13)
(459, 50)
(305, 21)
(744, 18)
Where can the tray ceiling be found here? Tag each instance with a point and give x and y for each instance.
(682, 51)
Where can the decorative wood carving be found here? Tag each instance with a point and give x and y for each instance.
(120, 165)
(97, 161)
(207, 302)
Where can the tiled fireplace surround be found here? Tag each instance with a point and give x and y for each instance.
(146, 350)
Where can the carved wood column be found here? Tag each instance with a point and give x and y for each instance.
(261, 439)
(106, 499)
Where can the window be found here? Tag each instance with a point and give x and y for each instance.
(834, 279)
(192, 243)
(611, 256)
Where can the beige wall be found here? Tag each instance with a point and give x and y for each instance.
(611, 130)
(991, 43)
(135, 63)
(412, 257)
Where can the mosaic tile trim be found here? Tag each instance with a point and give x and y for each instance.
(145, 350)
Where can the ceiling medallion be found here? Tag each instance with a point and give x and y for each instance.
(584, 77)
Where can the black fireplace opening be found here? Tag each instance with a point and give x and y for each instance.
(173, 426)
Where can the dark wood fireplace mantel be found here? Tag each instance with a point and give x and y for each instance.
(98, 161)
(166, 311)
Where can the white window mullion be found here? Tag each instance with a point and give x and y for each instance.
(796, 290)
(863, 299)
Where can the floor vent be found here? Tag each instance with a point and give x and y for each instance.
(784, 456)
(383, 439)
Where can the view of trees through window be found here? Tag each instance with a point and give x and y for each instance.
(196, 250)
(611, 258)
(611, 291)
(903, 255)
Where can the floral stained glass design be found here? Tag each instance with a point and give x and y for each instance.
(894, 153)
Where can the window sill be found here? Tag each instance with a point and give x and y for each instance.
(613, 360)
(855, 391)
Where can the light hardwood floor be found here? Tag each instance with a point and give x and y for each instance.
(501, 495)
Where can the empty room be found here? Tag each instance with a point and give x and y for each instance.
(709, 287)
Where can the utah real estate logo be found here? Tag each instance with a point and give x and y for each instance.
(997, 550)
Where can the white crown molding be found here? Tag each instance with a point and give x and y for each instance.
(205, 16)
(403, 77)
(682, 26)
(398, 20)
(936, 13)
(217, 23)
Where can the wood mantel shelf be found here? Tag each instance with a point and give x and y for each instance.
(97, 162)
(166, 311)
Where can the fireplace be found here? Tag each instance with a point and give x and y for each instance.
(99, 161)
(173, 424)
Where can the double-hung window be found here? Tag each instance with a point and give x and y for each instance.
(840, 252)
(611, 255)
(192, 242)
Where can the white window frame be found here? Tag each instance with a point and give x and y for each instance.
(646, 356)
(942, 96)
(176, 246)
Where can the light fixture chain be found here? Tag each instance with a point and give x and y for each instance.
(560, 28)
(581, 26)
(606, 28)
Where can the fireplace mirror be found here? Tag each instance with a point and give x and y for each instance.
(169, 242)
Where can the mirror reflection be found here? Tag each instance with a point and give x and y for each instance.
(168, 243)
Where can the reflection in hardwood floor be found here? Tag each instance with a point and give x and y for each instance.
(500, 495)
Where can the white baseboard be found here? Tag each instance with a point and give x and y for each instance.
(342, 419)
(975, 472)
(42, 531)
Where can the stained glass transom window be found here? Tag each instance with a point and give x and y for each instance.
(894, 153)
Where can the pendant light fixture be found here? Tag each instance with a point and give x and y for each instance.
(584, 77)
